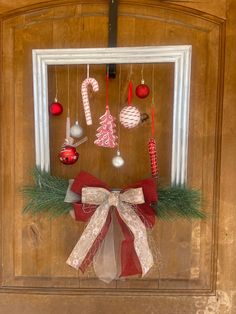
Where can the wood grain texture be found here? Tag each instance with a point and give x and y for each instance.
(214, 7)
(35, 249)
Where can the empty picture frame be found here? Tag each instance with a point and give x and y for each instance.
(180, 55)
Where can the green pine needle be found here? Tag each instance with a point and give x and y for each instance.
(179, 202)
(48, 193)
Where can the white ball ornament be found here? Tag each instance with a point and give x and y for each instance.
(129, 116)
(76, 130)
(118, 161)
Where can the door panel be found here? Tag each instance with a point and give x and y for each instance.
(42, 246)
(34, 249)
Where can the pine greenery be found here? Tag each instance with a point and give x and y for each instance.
(179, 202)
(48, 193)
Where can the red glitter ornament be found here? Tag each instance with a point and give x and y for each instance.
(68, 155)
(153, 150)
(153, 157)
(56, 108)
(142, 90)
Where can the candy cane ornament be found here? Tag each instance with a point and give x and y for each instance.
(85, 98)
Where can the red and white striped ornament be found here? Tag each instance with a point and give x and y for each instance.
(130, 115)
(85, 98)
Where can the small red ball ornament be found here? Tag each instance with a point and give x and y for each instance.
(56, 108)
(142, 90)
(68, 155)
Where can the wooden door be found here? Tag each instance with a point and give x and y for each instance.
(197, 272)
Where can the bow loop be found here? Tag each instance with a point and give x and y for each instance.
(133, 196)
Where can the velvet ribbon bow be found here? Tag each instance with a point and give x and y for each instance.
(115, 237)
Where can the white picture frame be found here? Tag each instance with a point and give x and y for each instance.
(180, 55)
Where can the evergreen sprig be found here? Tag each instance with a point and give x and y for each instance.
(48, 193)
(179, 202)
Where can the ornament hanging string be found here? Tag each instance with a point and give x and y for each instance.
(118, 108)
(118, 161)
(68, 104)
(107, 87)
(56, 95)
(153, 102)
(142, 79)
(87, 71)
(77, 93)
(153, 126)
(130, 89)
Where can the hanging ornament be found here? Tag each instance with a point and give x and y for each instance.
(153, 157)
(76, 130)
(142, 90)
(152, 143)
(68, 155)
(85, 98)
(130, 115)
(118, 161)
(56, 108)
(106, 132)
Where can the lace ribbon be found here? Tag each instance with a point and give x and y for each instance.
(123, 202)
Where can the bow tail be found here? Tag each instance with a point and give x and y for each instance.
(87, 241)
(135, 248)
(130, 264)
(107, 261)
(96, 246)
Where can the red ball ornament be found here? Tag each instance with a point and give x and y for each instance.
(68, 155)
(142, 90)
(56, 108)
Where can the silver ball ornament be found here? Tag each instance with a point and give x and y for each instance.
(118, 161)
(76, 130)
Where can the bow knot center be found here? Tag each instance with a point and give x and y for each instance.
(113, 198)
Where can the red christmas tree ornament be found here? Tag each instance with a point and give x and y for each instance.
(142, 90)
(56, 108)
(68, 155)
(106, 132)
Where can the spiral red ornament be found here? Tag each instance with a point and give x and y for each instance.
(153, 157)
